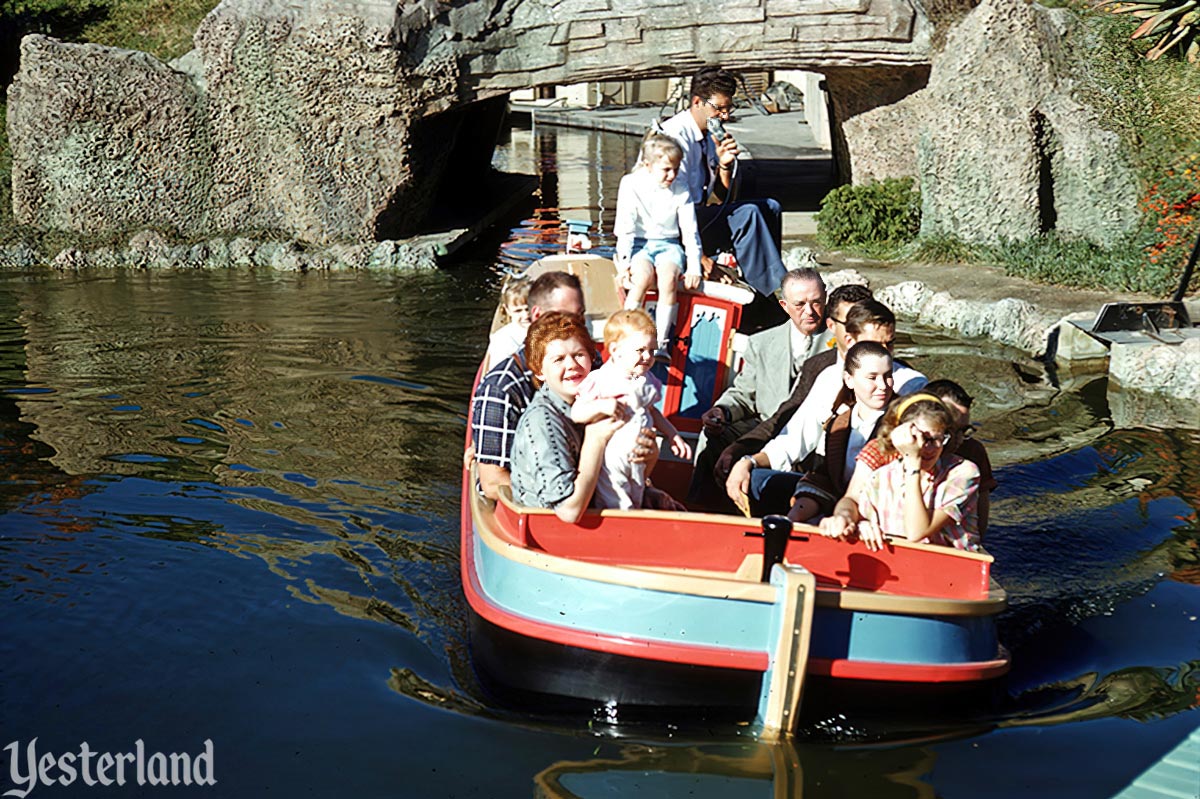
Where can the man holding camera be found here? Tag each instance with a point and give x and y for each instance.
(751, 229)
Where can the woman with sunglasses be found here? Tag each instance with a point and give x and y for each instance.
(925, 494)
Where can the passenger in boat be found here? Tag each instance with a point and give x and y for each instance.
(653, 211)
(772, 367)
(504, 392)
(509, 338)
(926, 494)
(555, 462)
(962, 443)
(751, 229)
(514, 298)
(804, 434)
(840, 300)
(864, 396)
(629, 337)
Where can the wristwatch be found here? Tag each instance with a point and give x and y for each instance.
(750, 459)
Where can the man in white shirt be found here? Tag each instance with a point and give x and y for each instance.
(751, 229)
(770, 476)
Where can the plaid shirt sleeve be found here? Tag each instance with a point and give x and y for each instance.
(494, 421)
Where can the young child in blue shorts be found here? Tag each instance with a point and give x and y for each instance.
(656, 232)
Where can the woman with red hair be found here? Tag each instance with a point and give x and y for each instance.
(555, 462)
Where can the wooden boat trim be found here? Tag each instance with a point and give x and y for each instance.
(853, 599)
(667, 580)
(724, 585)
(729, 521)
(911, 672)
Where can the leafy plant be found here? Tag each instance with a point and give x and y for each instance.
(1068, 262)
(1175, 22)
(1172, 204)
(943, 250)
(878, 217)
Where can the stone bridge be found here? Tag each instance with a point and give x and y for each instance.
(337, 121)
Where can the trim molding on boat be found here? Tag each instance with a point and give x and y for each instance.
(911, 672)
(650, 579)
(729, 587)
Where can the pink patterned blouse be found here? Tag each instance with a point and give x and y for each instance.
(955, 490)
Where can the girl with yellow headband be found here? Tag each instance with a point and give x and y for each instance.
(923, 493)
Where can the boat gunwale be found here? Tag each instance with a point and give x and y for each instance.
(669, 579)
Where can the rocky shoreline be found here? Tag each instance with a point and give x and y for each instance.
(151, 250)
(1146, 380)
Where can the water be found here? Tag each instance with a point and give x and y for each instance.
(230, 512)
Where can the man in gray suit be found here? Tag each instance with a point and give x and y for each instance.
(770, 367)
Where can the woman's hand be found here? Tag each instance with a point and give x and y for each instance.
(624, 267)
(603, 428)
(870, 535)
(907, 440)
(839, 525)
(691, 282)
(646, 449)
(681, 448)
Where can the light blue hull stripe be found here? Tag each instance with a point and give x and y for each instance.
(626, 611)
(889, 638)
(621, 610)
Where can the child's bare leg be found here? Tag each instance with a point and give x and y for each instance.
(641, 277)
(667, 309)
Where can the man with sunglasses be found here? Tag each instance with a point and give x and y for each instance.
(751, 229)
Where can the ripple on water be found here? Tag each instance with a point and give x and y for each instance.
(306, 543)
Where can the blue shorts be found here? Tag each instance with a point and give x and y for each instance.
(660, 252)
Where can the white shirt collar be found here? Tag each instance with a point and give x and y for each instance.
(800, 342)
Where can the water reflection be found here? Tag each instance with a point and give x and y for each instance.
(782, 771)
(247, 484)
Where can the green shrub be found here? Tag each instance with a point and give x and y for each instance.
(877, 217)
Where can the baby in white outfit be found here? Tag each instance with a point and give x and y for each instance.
(630, 338)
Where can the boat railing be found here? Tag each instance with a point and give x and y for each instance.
(720, 543)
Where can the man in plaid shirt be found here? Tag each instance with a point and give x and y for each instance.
(507, 388)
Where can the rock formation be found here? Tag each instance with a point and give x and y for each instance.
(998, 142)
(337, 121)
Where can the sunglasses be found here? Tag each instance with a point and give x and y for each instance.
(720, 109)
(931, 438)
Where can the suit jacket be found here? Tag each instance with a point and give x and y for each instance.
(765, 379)
(757, 438)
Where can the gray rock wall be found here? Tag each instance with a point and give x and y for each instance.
(997, 140)
(322, 120)
(106, 140)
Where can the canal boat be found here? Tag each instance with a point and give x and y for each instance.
(702, 612)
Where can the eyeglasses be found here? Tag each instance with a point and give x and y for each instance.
(931, 438)
(839, 321)
(724, 110)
